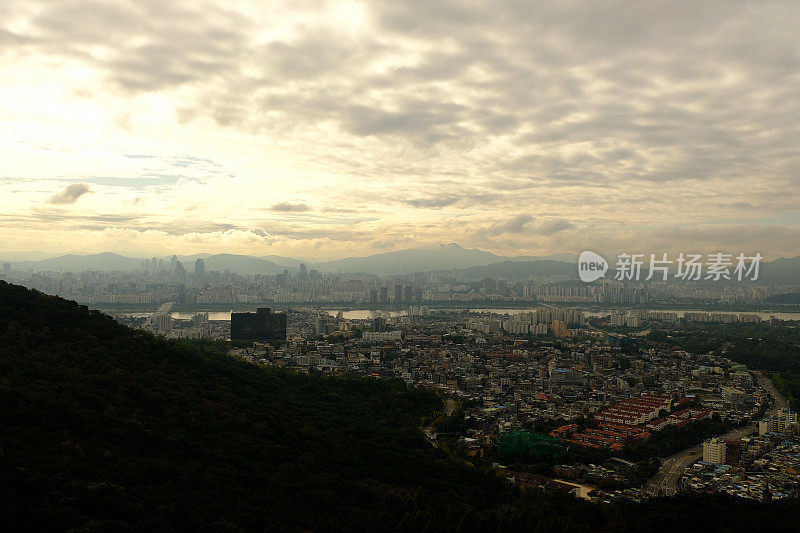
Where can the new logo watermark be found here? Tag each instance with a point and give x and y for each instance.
(591, 266)
(687, 267)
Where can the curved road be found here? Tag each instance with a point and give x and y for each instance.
(665, 481)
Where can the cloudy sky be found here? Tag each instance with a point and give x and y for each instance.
(329, 129)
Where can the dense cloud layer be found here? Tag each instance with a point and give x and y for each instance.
(352, 127)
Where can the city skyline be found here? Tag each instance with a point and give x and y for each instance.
(354, 128)
(400, 265)
(631, 267)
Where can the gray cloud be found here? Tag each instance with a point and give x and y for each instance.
(183, 227)
(431, 203)
(153, 46)
(57, 219)
(70, 194)
(523, 225)
(528, 77)
(144, 181)
(286, 207)
(549, 227)
(517, 224)
(418, 121)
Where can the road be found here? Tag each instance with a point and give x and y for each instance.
(766, 383)
(430, 431)
(665, 481)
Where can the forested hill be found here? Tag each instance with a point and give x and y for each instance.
(103, 428)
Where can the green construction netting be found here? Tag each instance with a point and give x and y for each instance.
(529, 444)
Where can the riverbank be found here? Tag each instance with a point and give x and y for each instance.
(590, 308)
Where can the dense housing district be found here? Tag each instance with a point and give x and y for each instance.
(584, 400)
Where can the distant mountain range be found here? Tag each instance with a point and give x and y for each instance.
(443, 257)
(782, 270)
(78, 263)
(475, 263)
(241, 264)
(25, 255)
(215, 258)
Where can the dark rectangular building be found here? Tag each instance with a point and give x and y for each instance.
(262, 326)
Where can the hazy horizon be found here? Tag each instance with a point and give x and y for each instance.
(35, 255)
(20, 256)
(353, 128)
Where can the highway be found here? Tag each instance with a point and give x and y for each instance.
(665, 481)
(766, 383)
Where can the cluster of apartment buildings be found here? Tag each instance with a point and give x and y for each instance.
(159, 281)
(630, 421)
(637, 317)
(636, 410)
(760, 468)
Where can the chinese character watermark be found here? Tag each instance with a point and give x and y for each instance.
(659, 267)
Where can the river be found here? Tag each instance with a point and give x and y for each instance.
(365, 314)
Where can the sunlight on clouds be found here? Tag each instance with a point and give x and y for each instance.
(350, 15)
(396, 124)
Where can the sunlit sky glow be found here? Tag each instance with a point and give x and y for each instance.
(331, 129)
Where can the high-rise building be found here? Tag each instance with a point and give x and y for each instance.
(180, 271)
(384, 295)
(777, 423)
(163, 323)
(180, 291)
(714, 451)
(263, 326)
(282, 280)
(408, 293)
(560, 328)
(378, 324)
(6, 268)
(199, 269)
(398, 294)
(733, 451)
(319, 326)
